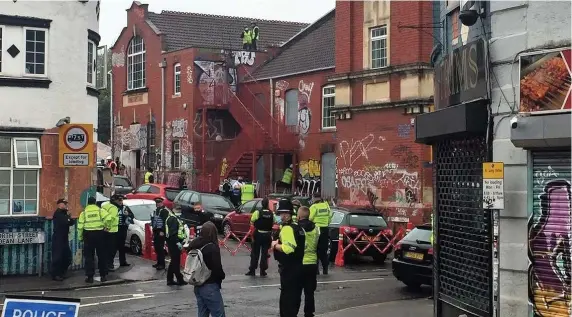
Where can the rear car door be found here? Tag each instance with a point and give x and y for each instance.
(242, 220)
(181, 199)
(153, 192)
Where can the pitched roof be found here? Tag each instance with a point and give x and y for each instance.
(311, 49)
(184, 29)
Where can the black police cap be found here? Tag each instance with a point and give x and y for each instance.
(62, 201)
(158, 199)
(117, 197)
(284, 206)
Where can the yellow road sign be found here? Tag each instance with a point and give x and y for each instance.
(493, 170)
(76, 145)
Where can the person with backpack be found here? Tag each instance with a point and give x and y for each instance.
(289, 252)
(204, 271)
(175, 235)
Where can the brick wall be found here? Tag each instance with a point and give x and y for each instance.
(411, 45)
(349, 36)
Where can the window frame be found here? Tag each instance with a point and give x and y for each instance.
(176, 154)
(324, 96)
(12, 168)
(177, 77)
(132, 55)
(15, 154)
(378, 38)
(46, 51)
(94, 65)
(2, 34)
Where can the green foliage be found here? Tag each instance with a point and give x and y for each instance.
(104, 104)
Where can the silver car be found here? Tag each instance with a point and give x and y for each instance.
(141, 209)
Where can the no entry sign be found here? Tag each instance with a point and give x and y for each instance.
(76, 145)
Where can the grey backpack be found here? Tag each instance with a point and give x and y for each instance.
(196, 271)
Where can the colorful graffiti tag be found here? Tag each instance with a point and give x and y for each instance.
(309, 177)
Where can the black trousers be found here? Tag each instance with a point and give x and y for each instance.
(111, 245)
(260, 246)
(61, 255)
(94, 242)
(310, 282)
(174, 269)
(323, 242)
(290, 290)
(159, 245)
(253, 45)
(120, 244)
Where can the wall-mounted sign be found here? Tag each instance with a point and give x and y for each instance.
(462, 75)
(545, 81)
(493, 185)
(135, 99)
(22, 237)
(76, 145)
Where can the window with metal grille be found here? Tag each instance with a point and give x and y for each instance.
(464, 227)
(378, 39)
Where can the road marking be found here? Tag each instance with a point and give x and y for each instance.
(117, 301)
(320, 282)
(117, 285)
(126, 295)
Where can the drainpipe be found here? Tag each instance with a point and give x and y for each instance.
(271, 165)
(163, 66)
(111, 123)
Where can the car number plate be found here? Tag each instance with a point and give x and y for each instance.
(413, 255)
(367, 238)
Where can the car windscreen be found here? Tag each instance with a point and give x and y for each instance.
(360, 220)
(216, 202)
(418, 234)
(120, 181)
(142, 212)
(171, 193)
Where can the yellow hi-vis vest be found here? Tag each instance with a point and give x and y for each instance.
(246, 37)
(255, 35)
(91, 219)
(311, 248)
(181, 234)
(320, 214)
(147, 176)
(287, 177)
(247, 192)
(111, 220)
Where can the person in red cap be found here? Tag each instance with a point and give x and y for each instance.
(61, 252)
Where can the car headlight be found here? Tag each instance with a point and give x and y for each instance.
(217, 216)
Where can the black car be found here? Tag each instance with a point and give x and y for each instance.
(197, 208)
(122, 185)
(304, 201)
(355, 221)
(413, 258)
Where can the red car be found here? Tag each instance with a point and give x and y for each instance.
(239, 221)
(152, 191)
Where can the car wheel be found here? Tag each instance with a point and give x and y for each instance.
(226, 229)
(414, 286)
(135, 245)
(379, 258)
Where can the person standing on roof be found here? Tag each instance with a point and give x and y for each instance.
(321, 215)
(246, 36)
(255, 35)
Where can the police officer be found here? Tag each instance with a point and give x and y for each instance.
(158, 220)
(125, 219)
(91, 230)
(263, 222)
(111, 222)
(175, 234)
(236, 191)
(246, 36)
(321, 215)
(246, 191)
(149, 178)
(310, 261)
(286, 182)
(255, 32)
(289, 252)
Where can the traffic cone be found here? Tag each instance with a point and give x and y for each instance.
(340, 254)
(192, 233)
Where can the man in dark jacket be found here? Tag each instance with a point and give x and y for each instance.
(61, 252)
(158, 220)
(175, 234)
(209, 297)
(183, 181)
(126, 217)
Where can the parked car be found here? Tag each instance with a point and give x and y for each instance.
(141, 209)
(304, 201)
(413, 258)
(239, 221)
(152, 191)
(354, 221)
(197, 208)
(122, 185)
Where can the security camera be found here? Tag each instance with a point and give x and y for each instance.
(514, 122)
(63, 121)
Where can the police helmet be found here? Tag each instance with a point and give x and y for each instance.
(284, 206)
(117, 197)
(158, 199)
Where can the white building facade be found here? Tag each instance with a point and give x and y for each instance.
(48, 53)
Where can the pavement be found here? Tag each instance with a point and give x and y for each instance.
(358, 288)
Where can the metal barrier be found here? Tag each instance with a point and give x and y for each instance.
(241, 242)
(371, 241)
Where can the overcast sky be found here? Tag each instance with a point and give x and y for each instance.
(113, 16)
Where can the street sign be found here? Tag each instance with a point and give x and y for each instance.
(76, 145)
(22, 237)
(493, 185)
(36, 306)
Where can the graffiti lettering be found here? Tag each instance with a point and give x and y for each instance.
(541, 175)
(244, 58)
(305, 88)
(213, 82)
(189, 74)
(214, 126)
(179, 127)
(282, 85)
(352, 150)
(409, 159)
(309, 177)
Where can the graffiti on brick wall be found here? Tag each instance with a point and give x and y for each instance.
(213, 82)
(190, 74)
(407, 157)
(550, 253)
(354, 149)
(304, 113)
(309, 173)
(281, 86)
(177, 130)
(214, 126)
(244, 58)
(118, 59)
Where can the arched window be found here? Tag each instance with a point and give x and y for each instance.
(136, 64)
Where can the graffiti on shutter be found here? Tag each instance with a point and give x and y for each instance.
(549, 234)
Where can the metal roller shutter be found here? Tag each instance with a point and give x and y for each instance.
(549, 231)
(463, 270)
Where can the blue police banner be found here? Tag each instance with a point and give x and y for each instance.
(40, 306)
